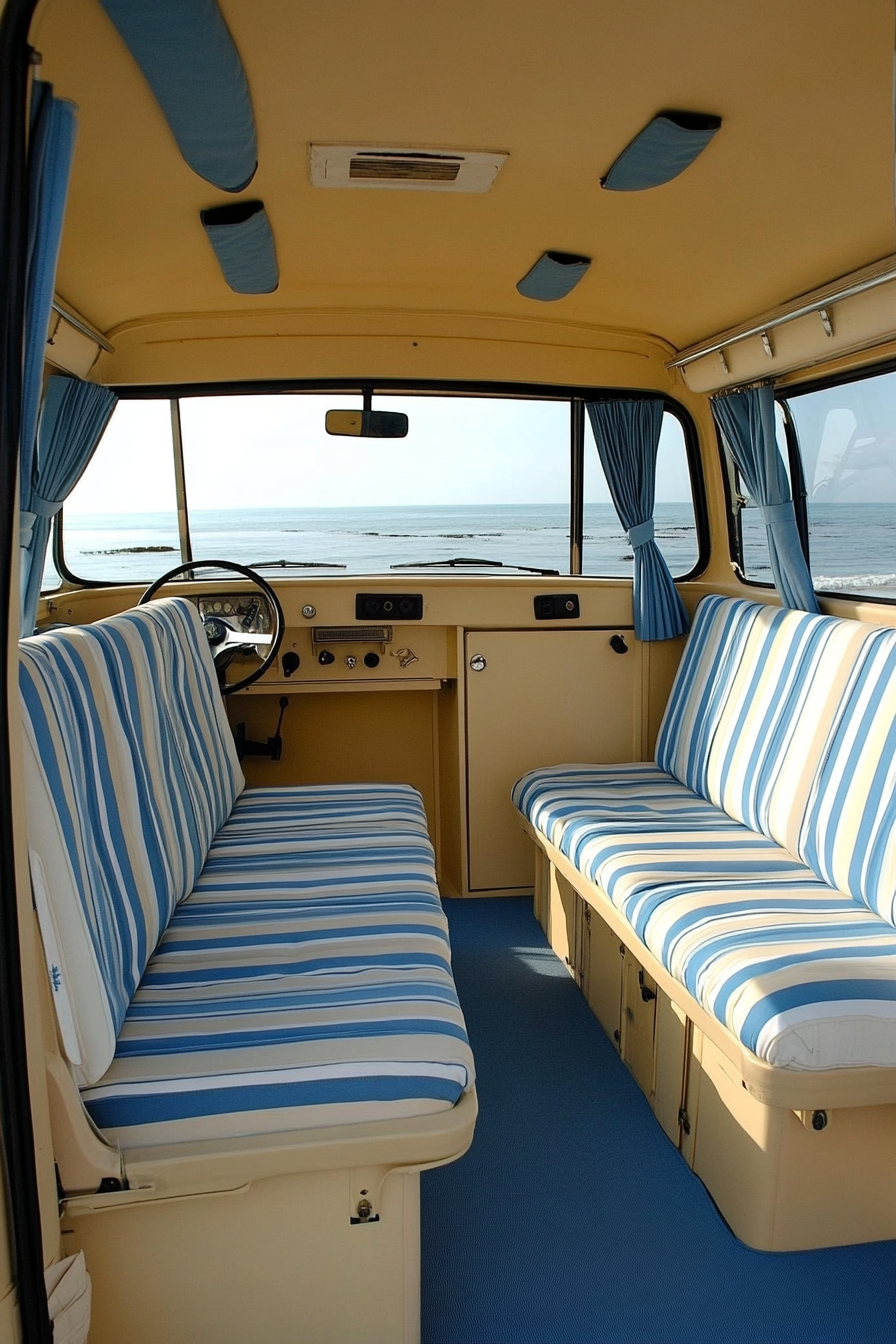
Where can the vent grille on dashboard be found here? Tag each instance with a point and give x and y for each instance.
(351, 634)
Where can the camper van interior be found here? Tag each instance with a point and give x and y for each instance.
(448, 773)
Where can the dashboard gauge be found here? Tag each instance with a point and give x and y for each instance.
(215, 630)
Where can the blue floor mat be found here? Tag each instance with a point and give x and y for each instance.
(573, 1220)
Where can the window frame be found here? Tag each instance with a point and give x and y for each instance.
(572, 395)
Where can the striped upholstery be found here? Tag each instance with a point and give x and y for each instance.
(255, 964)
(781, 927)
(307, 981)
(125, 794)
(848, 835)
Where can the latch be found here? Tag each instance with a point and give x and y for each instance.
(647, 994)
(364, 1194)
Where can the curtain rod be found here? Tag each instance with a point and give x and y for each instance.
(81, 324)
(880, 273)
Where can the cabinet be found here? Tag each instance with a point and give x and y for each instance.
(538, 698)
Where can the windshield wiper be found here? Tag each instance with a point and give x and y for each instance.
(470, 560)
(296, 564)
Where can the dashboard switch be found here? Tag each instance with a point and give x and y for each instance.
(371, 660)
(388, 606)
(325, 657)
(557, 607)
(291, 662)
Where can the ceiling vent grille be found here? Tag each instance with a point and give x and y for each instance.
(384, 168)
(360, 166)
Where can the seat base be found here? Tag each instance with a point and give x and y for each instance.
(279, 1260)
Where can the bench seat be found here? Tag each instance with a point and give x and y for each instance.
(270, 1004)
(744, 955)
(802, 975)
(228, 964)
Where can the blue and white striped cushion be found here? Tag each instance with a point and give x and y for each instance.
(313, 806)
(756, 696)
(131, 768)
(848, 832)
(306, 982)
(166, 695)
(98, 864)
(803, 975)
(559, 800)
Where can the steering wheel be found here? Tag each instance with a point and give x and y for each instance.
(224, 640)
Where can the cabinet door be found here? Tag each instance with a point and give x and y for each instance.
(543, 697)
(603, 984)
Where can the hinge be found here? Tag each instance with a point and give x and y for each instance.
(684, 1120)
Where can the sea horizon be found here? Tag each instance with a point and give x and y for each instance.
(848, 543)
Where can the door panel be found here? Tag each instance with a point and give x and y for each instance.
(543, 697)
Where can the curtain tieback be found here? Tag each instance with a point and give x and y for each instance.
(640, 534)
(776, 513)
(40, 508)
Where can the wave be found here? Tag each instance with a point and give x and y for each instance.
(854, 582)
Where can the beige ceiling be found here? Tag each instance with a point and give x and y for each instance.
(796, 189)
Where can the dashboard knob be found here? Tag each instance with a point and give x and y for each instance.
(478, 663)
(325, 657)
(371, 660)
(309, 612)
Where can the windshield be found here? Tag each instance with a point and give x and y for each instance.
(478, 484)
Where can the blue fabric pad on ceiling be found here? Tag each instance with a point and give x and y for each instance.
(553, 276)
(244, 245)
(191, 64)
(667, 145)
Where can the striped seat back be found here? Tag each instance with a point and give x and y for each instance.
(757, 695)
(788, 722)
(848, 835)
(130, 770)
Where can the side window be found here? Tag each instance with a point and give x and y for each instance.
(119, 523)
(847, 444)
(605, 548)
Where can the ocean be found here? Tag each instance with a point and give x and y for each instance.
(853, 547)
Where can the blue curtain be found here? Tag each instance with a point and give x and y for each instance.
(747, 424)
(50, 150)
(72, 419)
(627, 434)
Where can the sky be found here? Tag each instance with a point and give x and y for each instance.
(273, 451)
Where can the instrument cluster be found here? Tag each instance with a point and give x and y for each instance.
(245, 612)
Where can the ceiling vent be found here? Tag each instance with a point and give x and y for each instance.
(380, 168)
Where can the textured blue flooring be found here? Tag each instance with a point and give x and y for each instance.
(573, 1220)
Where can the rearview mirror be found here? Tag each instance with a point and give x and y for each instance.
(368, 424)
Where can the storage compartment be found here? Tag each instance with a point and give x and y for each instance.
(602, 977)
(780, 1183)
(534, 698)
(638, 1022)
